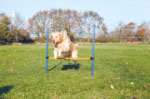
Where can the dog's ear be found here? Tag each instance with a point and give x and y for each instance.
(60, 37)
(50, 37)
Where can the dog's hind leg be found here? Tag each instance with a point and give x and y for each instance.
(69, 61)
(75, 62)
(55, 53)
(74, 55)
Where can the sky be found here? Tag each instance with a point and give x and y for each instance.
(113, 11)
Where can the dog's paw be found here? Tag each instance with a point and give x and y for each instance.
(59, 54)
(75, 62)
(55, 57)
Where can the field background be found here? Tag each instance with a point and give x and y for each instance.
(122, 71)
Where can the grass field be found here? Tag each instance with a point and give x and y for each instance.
(122, 71)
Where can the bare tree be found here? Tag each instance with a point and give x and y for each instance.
(39, 22)
(70, 21)
(16, 24)
(89, 19)
(143, 31)
(65, 20)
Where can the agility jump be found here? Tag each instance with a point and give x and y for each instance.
(69, 58)
(66, 58)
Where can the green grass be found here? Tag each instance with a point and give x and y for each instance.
(124, 66)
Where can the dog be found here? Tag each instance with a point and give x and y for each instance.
(63, 45)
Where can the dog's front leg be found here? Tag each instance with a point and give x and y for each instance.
(55, 53)
(74, 55)
(59, 52)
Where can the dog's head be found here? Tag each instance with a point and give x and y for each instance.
(56, 37)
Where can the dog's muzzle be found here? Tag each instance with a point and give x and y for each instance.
(54, 42)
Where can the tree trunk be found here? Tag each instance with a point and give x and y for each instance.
(88, 33)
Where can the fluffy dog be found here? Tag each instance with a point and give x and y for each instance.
(63, 45)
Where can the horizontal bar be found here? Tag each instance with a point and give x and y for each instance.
(52, 58)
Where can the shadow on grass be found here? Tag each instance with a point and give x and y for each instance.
(71, 66)
(55, 66)
(5, 90)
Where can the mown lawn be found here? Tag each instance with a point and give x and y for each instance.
(122, 71)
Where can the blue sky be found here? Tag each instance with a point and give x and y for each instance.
(113, 11)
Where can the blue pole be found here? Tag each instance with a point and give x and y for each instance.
(93, 41)
(47, 49)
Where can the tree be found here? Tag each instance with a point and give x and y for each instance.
(5, 34)
(57, 20)
(124, 32)
(24, 36)
(69, 21)
(16, 24)
(39, 22)
(120, 32)
(72, 22)
(89, 19)
(104, 29)
(129, 29)
(143, 31)
(65, 20)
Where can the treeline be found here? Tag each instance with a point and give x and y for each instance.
(11, 31)
(128, 33)
(75, 24)
(78, 25)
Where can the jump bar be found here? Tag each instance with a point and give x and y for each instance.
(66, 58)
